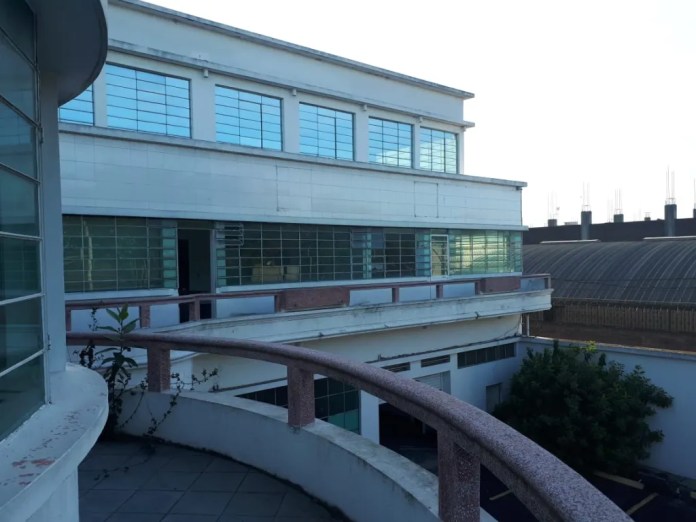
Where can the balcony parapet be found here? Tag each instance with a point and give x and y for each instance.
(467, 436)
(326, 297)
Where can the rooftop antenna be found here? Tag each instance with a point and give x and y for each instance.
(585, 196)
(671, 199)
(618, 203)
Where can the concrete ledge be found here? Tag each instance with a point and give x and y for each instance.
(364, 480)
(38, 461)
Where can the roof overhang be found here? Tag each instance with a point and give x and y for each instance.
(72, 42)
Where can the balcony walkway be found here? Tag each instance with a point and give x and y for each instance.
(135, 481)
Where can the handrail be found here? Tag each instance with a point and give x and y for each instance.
(194, 300)
(467, 436)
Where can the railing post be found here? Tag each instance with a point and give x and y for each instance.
(300, 397)
(459, 475)
(68, 319)
(439, 290)
(159, 369)
(194, 310)
(144, 312)
(395, 294)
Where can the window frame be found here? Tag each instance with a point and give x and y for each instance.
(137, 101)
(399, 124)
(335, 132)
(429, 162)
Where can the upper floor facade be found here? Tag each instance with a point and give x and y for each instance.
(191, 119)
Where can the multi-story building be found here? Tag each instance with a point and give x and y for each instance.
(207, 159)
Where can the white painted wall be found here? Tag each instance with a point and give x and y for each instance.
(674, 372)
(111, 172)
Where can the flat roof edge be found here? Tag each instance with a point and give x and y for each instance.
(290, 47)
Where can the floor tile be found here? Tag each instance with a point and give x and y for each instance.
(254, 504)
(296, 504)
(150, 502)
(92, 517)
(209, 481)
(102, 462)
(134, 517)
(171, 480)
(117, 448)
(129, 478)
(222, 465)
(262, 483)
(202, 503)
(86, 480)
(244, 518)
(103, 501)
(188, 463)
(190, 518)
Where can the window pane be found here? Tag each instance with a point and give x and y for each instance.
(326, 132)
(245, 118)
(17, 79)
(390, 142)
(80, 109)
(147, 101)
(19, 268)
(20, 331)
(18, 212)
(16, 142)
(438, 151)
(21, 394)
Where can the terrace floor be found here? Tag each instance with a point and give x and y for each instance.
(138, 481)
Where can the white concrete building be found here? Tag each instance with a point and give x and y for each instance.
(50, 413)
(207, 159)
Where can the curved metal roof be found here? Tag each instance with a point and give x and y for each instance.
(661, 271)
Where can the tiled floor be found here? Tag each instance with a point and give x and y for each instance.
(130, 481)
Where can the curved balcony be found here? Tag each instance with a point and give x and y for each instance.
(467, 437)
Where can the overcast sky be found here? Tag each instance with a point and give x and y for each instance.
(567, 93)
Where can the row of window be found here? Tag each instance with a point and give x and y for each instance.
(118, 253)
(150, 102)
(21, 329)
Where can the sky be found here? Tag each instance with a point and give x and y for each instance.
(582, 100)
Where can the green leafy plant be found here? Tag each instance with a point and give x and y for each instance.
(588, 412)
(114, 362)
(116, 366)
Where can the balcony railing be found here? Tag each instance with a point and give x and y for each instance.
(467, 436)
(309, 298)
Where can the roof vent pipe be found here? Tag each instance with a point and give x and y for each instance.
(585, 222)
(671, 219)
(554, 222)
(618, 218)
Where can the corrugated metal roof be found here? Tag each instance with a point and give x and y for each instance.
(639, 271)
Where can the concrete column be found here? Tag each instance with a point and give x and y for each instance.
(460, 152)
(369, 417)
(52, 231)
(300, 397)
(416, 145)
(291, 124)
(671, 219)
(361, 132)
(202, 107)
(585, 224)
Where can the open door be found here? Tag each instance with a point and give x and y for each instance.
(194, 255)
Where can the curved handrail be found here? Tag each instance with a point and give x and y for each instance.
(550, 489)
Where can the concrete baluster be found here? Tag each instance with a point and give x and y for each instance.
(159, 369)
(144, 316)
(459, 475)
(300, 397)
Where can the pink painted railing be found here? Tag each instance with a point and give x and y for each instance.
(467, 436)
(294, 299)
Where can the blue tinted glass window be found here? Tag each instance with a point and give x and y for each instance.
(390, 142)
(326, 132)
(247, 118)
(147, 102)
(80, 109)
(438, 151)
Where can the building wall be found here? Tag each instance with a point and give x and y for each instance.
(109, 172)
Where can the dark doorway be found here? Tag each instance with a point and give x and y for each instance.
(408, 436)
(194, 269)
